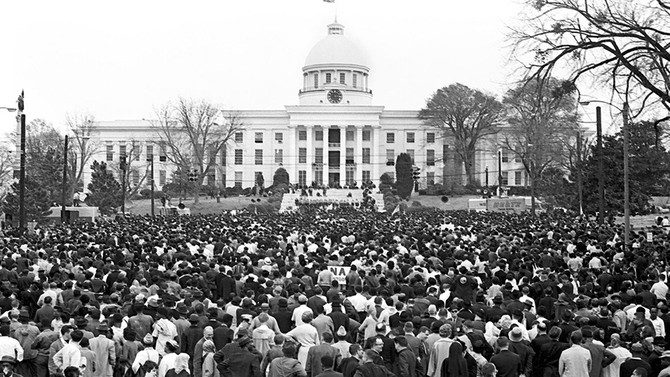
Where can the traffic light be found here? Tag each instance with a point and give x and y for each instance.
(416, 173)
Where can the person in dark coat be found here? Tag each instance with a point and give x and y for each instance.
(237, 360)
(507, 362)
(525, 352)
(405, 363)
(550, 353)
(349, 365)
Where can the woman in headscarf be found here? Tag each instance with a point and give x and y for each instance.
(180, 367)
(168, 361)
(208, 364)
(455, 365)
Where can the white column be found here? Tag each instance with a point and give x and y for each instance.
(358, 156)
(310, 155)
(326, 171)
(292, 152)
(376, 158)
(343, 155)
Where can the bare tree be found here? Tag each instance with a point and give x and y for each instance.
(621, 43)
(469, 115)
(6, 171)
(135, 168)
(82, 147)
(194, 133)
(541, 116)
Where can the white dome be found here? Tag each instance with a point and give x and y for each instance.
(336, 49)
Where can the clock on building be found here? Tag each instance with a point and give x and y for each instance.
(334, 96)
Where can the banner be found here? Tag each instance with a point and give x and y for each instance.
(516, 205)
(340, 273)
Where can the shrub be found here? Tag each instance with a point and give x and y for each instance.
(280, 177)
(416, 204)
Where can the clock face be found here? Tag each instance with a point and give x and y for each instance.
(334, 96)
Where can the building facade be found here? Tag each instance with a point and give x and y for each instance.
(333, 136)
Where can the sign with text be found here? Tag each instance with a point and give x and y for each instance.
(340, 273)
(516, 205)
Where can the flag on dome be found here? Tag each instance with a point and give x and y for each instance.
(328, 1)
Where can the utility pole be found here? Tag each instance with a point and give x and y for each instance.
(499, 172)
(487, 175)
(123, 184)
(22, 166)
(580, 188)
(63, 193)
(601, 169)
(626, 188)
(152, 187)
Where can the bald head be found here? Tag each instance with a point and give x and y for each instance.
(208, 332)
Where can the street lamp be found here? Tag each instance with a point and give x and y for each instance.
(626, 183)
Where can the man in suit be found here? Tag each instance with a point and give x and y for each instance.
(507, 362)
(105, 352)
(327, 364)
(550, 353)
(313, 366)
(350, 364)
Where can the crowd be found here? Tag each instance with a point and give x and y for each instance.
(429, 293)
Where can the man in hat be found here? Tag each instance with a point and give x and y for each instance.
(237, 360)
(300, 310)
(519, 347)
(104, 350)
(7, 364)
(191, 337)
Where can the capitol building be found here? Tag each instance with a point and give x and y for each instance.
(335, 135)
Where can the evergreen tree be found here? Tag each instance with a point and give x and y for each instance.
(403, 172)
(36, 201)
(104, 189)
(280, 176)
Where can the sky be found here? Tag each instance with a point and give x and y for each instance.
(123, 59)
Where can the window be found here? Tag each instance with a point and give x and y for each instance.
(224, 157)
(257, 176)
(279, 156)
(354, 80)
(258, 137)
(162, 176)
(150, 152)
(328, 78)
(390, 138)
(342, 77)
(517, 154)
(302, 155)
(238, 179)
(430, 157)
(349, 175)
(316, 80)
(318, 155)
(122, 150)
(505, 155)
(366, 135)
(318, 135)
(445, 153)
(505, 178)
(238, 157)
(135, 177)
(350, 135)
(136, 151)
(239, 137)
(349, 156)
(110, 152)
(223, 179)
(366, 155)
(517, 178)
(279, 137)
(212, 154)
(302, 135)
(366, 175)
(390, 157)
(410, 152)
(163, 156)
(318, 176)
(302, 177)
(410, 137)
(430, 137)
(430, 178)
(258, 157)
